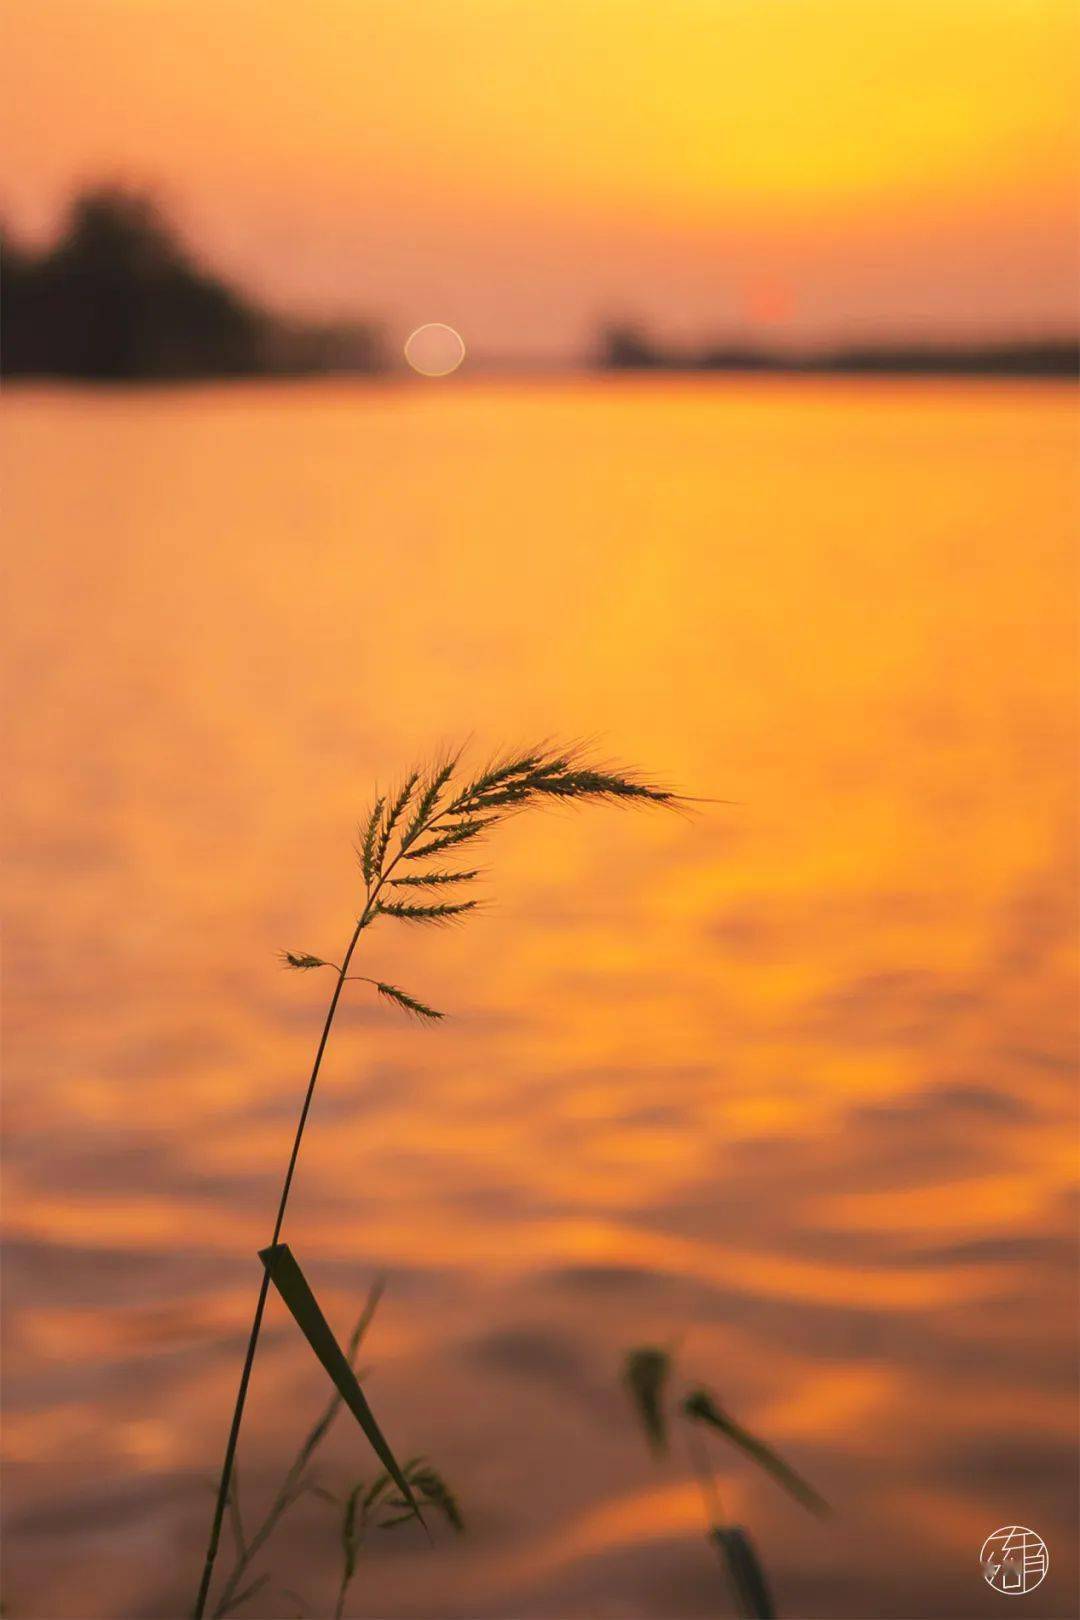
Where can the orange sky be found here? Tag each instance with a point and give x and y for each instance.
(519, 168)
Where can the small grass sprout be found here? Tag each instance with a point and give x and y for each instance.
(363, 1507)
(374, 1506)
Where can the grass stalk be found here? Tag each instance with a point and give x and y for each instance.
(264, 1286)
(432, 813)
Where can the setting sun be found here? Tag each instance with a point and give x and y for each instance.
(906, 166)
(657, 415)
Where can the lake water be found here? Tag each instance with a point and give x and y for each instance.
(787, 1084)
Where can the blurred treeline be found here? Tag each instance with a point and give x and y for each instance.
(118, 297)
(626, 346)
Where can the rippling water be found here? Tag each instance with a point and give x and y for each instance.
(788, 1083)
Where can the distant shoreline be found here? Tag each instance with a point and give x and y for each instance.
(119, 300)
(626, 348)
(394, 379)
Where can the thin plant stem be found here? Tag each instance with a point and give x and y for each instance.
(236, 1516)
(706, 1477)
(343, 1589)
(264, 1286)
(291, 1487)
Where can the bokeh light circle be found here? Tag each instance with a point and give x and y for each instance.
(434, 350)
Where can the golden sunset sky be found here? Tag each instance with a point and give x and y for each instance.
(522, 168)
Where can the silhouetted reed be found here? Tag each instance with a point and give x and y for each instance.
(364, 1506)
(647, 1374)
(404, 841)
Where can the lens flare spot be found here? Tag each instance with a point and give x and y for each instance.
(434, 350)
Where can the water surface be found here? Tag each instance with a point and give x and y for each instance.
(787, 1083)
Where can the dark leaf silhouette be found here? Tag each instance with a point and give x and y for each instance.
(700, 1407)
(645, 1374)
(744, 1571)
(292, 1285)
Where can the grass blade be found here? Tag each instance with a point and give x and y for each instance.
(292, 1285)
(700, 1407)
(645, 1375)
(322, 1427)
(745, 1572)
(295, 1483)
